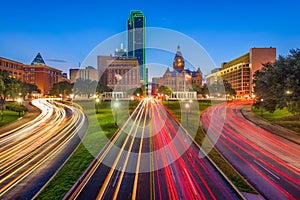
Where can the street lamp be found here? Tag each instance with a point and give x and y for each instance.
(97, 105)
(116, 105)
(288, 92)
(187, 106)
(19, 100)
(131, 102)
(261, 107)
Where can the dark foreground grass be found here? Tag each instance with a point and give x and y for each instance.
(199, 136)
(96, 137)
(282, 118)
(8, 117)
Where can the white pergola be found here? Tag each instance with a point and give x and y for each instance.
(184, 95)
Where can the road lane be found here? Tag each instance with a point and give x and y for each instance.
(154, 141)
(269, 162)
(25, 149)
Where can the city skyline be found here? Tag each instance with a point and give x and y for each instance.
(225, 31)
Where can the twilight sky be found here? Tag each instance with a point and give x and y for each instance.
(64, 32)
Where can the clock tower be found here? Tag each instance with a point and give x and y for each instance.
(178, 63)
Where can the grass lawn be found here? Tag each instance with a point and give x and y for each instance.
(232, 175)
(83, 156)
(281, 117)
(8, 117)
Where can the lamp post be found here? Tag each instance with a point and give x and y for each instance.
(187, 106)
(97, 105)
(20, 103)
(116, 105)
(131, 102)
(261, 107)
(288, 92)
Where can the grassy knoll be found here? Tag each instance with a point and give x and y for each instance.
(234, 177)
(93, 142)
(282, 118)
(11, 113)
(9, 116)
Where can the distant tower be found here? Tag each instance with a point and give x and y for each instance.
(178, 63)
(136, 37)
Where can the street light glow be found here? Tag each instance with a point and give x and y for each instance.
(288, 92)
(116, 104)
(187, 106)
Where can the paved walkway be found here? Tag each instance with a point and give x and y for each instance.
(32, 113)
(279, 130)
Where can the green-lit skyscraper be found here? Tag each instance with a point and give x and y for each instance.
(136, 41)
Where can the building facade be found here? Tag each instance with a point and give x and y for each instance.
(239, 72)
(178, 79)
(136, 37)
(87, 73)
(119, 72)
(40, 74)
(73, 74)
(15, 68)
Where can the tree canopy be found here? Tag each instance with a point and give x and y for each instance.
(61, 88)
(277, 85)
(219, 88)
(164, 90)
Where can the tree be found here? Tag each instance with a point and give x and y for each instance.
(9, 86)
(85, 87)
(61, 88)
(228, 89)
(29, 88)
(135, 91)
(219, 88)
(164, 90)
(197, 88)
(277, 85)
(103, 88)
(205, 90)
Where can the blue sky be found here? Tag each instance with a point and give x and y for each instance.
(69, 30)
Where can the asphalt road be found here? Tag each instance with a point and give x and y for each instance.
(26, 152)
(151, 157)
(270, 163)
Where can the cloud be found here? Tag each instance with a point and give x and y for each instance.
(56, 60)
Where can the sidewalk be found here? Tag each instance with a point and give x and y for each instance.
(276, 129)
(32, 113)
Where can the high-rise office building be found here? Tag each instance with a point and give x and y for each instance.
(239, 72)
(136, 41)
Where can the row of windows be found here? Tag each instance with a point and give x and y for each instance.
(122, 65)
(11, 65)
(245, 68)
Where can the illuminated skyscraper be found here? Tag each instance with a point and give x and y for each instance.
(136, 41)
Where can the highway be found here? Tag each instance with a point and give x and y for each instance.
(26, 149)
(151, 157)
(270, 163)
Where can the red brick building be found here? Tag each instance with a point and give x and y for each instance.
(40, 74)
(119, 73)
(16, 68)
